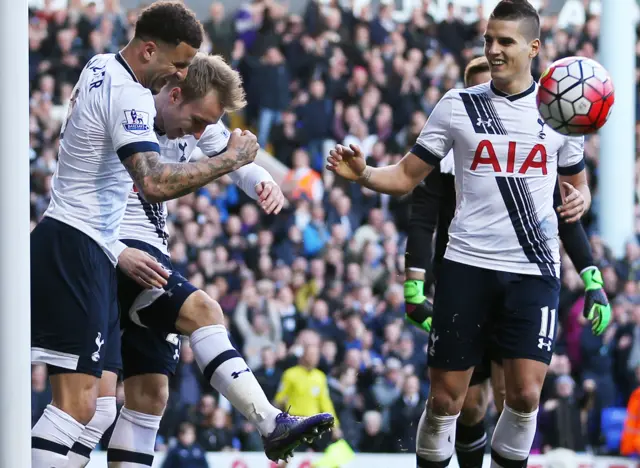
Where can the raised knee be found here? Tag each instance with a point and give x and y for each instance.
(201, 311)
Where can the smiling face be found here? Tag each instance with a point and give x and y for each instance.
(180, 117)
(508, 50)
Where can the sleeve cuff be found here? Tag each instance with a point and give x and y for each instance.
(218, 153)
(118, 248)
(137, 147)
(572, 170)
(426, 155)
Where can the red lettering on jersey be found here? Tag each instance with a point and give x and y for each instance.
(531, 162)
(492, 159)
(537, 158)
(511, 156)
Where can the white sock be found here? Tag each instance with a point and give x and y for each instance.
(133, 441)
(102, 420)
(436, 438)
(52, 437)
(512, 438)
(229, 374)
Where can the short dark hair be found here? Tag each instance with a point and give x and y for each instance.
(475, 66)
(170, 22)
(519, 10)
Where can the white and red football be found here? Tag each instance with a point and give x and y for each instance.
(575, 96)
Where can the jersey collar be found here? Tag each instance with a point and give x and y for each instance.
(126, 66)
(513, 97)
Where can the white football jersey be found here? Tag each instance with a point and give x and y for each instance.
(147, 222)
(506, 163)
(110, 118)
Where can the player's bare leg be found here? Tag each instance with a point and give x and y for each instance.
(72, 407)
(134, 437)
(471, 436)
(201, 318)
(516, 427)
(498, 386)
(437, 426)
(102, 419)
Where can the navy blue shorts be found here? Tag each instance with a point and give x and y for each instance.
(150, 341)
(477, 309)
(74, 311)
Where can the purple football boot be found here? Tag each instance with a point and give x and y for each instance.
(291, 431)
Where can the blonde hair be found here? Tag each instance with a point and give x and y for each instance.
(211, 73)
(475, 66)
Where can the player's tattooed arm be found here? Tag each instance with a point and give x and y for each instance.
(159, 181)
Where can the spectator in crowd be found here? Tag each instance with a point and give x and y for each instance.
(186, 453)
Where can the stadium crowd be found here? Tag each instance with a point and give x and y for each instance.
(321, 283)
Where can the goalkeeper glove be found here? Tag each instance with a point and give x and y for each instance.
(596, 303)
(419, 311)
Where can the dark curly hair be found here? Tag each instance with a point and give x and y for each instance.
(170, 22)
(519, 10)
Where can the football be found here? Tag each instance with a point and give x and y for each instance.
(575, 96)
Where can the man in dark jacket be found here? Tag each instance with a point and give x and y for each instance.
(186, 454)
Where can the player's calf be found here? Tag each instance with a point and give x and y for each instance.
(62, 423)
(437, 427)
(133, 440)
(102, 420)
(516, 428)
(471, 436)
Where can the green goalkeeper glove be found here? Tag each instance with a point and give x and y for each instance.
(596, 303)
(419, 311)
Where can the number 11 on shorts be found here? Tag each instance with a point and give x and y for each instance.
(547, 327)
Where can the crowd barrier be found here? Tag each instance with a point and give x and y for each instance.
(305, 460)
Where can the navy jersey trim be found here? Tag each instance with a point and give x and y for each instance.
(482, 114)
(571, 170)
(126, 66)
(155, 215)
(425, 154)
(137, 147)
(517, 199)
(513, 97)
(219, 152)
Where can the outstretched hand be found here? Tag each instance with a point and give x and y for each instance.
(348, 163)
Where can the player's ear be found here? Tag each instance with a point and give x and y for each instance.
(175, 95)
(149, 49)
(534, 48)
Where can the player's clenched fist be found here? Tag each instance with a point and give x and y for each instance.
(349, 162)
(245, 145)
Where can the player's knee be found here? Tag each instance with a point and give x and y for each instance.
(147, 393)
(524, 399)
(198, 311)
(474, 406)
(76, 395)
(444, 401)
